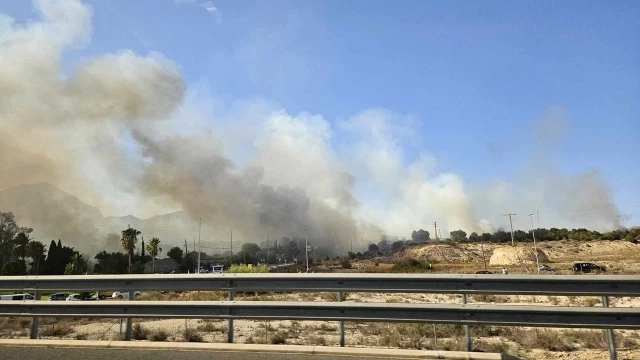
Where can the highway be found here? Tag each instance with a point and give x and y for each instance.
(48, 353)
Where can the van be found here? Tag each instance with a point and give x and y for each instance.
(217, 269)
(17, 297)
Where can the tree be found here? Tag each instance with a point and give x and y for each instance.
(110, 263)
(154, 249)
(249, 252)
(77, 266)
(14, 267)
(420, 236)
(35, 251)
(175, 253)
(486, 237)
(474, 237)
(373, 248)
(9, 232)
(458, 235)
(129, 241)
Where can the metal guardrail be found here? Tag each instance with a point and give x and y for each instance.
(559, 285)
(510, 315)
(468, 315)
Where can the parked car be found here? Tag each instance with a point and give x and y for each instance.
(484, 272)
(74, 297)
(82, 297)
(546, 269)
(17, 297)
(124, 294)
(587, 268)
(58, 297)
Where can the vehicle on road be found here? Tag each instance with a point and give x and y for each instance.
(58, 297)
(587, 268)
(17, 297)
(82, 297)
(546, 269)
(217, 269)
(124, 294)
(484, 272)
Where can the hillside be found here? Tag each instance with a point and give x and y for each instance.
(55, 214)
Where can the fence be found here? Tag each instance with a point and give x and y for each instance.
(463, 314)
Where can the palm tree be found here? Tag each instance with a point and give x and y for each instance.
(154, 250)
(35, 250)
(128, 242)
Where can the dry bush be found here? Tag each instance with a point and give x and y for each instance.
(317, 340)
(210, 327)
(489, 298)
(500, 346)
(327, 327)
(192, 336)
(56, 330)
(590, 302)
(82, 336)
(157, 335)
(139, 332)
(13, 324)
(333, 296)
(543, 339)
(278, 338)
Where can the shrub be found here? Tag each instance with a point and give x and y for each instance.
(58, 330)
(409, 265)
(157, 335)
(139, 332)
(247, 269)
(277, 338)
(192, 336)
(346, 264)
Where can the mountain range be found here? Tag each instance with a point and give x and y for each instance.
(54, 214)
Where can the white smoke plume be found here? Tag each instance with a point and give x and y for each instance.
(124, 133)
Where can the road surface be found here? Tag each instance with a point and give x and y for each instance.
(48, 353)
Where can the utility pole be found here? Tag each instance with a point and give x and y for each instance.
(535, 247)
(268, 250)
(306, 247)
(193, 262)
(199, 244)
(435, 229)
(231, 246)
(511, 223)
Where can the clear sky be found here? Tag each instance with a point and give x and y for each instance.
(473, 76)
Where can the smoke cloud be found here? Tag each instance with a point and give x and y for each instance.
(124, 133)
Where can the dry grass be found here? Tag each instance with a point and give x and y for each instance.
(157, 335)
(56, 330)
(188, 296)
(192, 336)
(211, 327)
(139, 332)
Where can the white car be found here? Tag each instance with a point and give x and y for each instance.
(73, 297)
(124, 294)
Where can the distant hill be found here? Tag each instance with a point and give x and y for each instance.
(55, 214)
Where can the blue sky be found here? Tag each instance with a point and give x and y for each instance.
(473, 76)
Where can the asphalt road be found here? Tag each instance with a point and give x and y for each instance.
(47, 353)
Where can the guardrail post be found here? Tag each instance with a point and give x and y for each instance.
(341, 299)
(33, 333)
(230, 324)
(611, 341)
(467, 328)
(127, 331)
